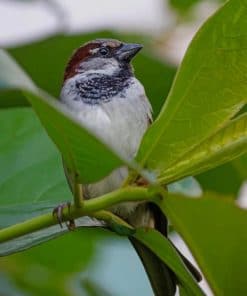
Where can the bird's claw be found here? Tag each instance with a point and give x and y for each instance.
(58, 214)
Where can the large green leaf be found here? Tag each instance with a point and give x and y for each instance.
(31, 174)
(31, 177)
(166, 252)
(227, 178)
(32, 182)
(31, 169)
(52, 267)
(83, 152)
(215, 230)
(91, 255)
(210, 87)
(228, 143)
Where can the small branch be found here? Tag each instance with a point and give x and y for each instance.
(78, 195)
(122, 195)
(110, 218)
(92, 207)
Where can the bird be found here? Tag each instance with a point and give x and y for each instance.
(101, 91)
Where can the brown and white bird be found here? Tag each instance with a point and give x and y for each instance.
(102, 92)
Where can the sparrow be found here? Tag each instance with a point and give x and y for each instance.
(102, 92)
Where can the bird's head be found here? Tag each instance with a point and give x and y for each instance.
(101, 56)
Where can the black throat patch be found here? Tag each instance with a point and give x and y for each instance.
(98, 88)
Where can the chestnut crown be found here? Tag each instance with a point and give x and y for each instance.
(102, 50)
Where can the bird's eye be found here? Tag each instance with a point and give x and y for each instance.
(104, 51)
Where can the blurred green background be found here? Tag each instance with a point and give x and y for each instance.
(87, 261)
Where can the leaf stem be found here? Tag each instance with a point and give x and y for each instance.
(92, 207)
(78, 195)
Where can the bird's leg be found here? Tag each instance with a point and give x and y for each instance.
(58, 214)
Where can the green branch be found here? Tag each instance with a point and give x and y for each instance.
(92, 207)
(78, 195)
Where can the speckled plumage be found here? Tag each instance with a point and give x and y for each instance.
(98, 88)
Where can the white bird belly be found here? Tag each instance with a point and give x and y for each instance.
(119, 123)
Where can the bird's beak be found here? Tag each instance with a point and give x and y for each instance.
(127, 51)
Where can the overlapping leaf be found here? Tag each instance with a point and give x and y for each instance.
(31, 169)
(165, 251)
(210, 88)
(227, 144)
(215, 230)
(227, 178)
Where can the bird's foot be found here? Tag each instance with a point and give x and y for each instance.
(58, 214)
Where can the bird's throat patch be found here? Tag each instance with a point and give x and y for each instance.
(98, 88)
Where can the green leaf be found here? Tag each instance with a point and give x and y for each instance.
(228, 143)
(83, 152)
(166, 252)
(210, 87)
(215, 230)
(31, 169)
(52, 267)
(12, 99)
(227, 178)
(182, 291)
(79, 255)
(31, 174)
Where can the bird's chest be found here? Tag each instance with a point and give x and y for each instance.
(113, 107)
(119, 123)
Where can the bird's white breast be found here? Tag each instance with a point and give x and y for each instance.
(120, 123)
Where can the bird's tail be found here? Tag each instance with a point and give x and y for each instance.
(162, 278)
